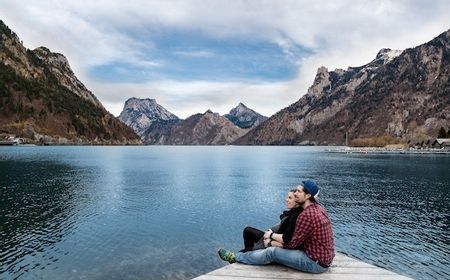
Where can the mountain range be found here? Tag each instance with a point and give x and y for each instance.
(403, 96)
(200, 129)
(43, 101)
(156, 125)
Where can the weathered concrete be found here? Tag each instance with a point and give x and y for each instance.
(342, 268)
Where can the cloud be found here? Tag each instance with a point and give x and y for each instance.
(205, 54)
(187, 98)
(337, 34)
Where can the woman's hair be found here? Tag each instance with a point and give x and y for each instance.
(292, 190)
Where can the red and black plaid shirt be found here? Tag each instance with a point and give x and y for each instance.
(313, 234)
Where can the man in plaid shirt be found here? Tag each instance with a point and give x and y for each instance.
(311, 248)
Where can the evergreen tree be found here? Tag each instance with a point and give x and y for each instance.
(442, 133)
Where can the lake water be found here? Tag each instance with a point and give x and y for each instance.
(160, 212)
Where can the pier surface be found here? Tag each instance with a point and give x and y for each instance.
(342, 268)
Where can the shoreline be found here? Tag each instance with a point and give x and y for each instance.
(326, 149)
(374, 150)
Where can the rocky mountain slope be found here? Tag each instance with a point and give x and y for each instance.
(199, 129)
(404, 95)
(139, 114)
(245, 117)
(42, 100)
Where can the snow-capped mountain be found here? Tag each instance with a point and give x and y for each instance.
(139, 114)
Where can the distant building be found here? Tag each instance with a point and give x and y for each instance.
(11, 141)
(441, 143)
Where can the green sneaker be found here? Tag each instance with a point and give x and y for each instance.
(226, 255)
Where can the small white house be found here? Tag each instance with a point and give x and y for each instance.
(442, 142)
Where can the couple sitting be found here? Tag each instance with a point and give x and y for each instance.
(303, 241)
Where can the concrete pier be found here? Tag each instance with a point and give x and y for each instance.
(342, 268)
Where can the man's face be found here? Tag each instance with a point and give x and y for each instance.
(300, 195)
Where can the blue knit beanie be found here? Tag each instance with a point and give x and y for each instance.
(311, 187)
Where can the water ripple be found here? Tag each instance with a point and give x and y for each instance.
(161, 212)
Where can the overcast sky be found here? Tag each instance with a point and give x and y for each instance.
(196, 55)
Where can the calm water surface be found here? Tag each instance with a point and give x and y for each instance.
(159, 212)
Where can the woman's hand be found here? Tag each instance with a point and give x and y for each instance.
(267, 234)
(266, 242)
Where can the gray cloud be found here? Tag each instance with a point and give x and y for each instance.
(339, 33)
